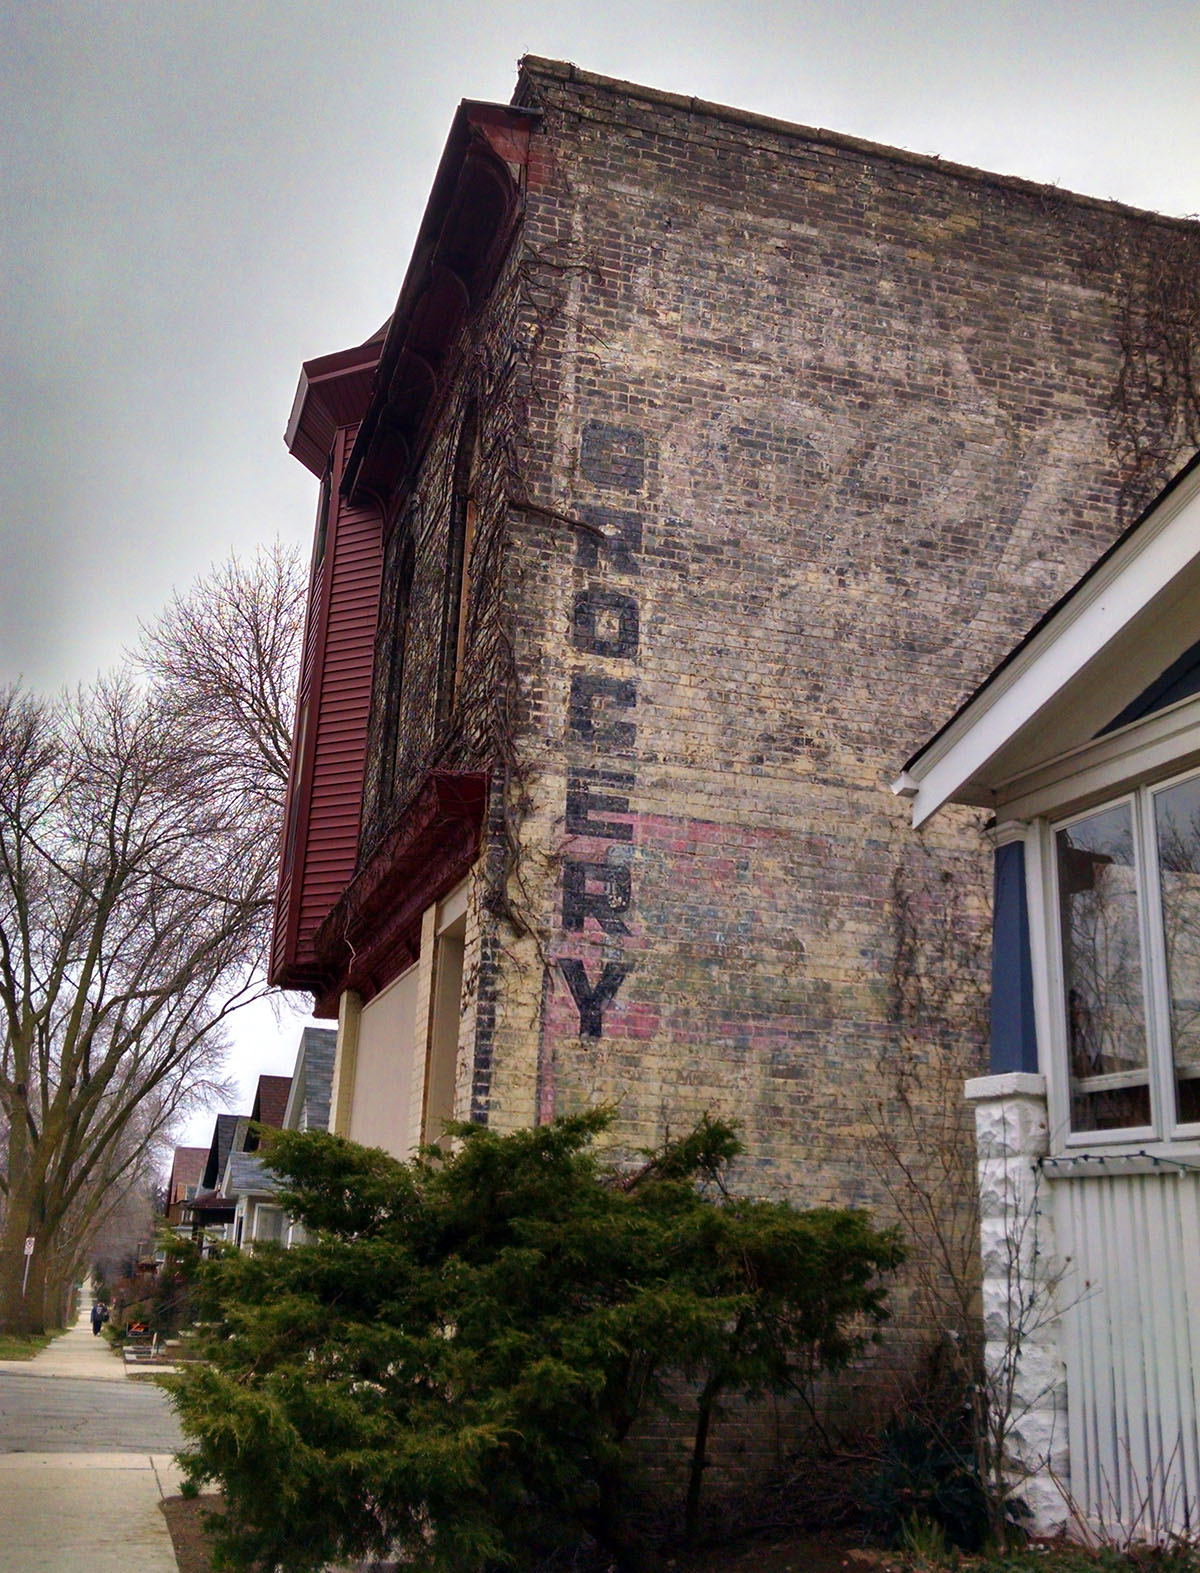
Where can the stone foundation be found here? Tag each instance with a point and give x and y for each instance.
(1020, 1276)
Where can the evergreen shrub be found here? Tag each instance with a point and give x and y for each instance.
(450, 1370)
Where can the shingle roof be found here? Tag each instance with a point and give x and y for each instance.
(187, 1168)
(270, 1100)
(247, 1175)
(317, 1048)
(222, 1139)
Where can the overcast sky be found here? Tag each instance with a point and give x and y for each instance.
(197, 196)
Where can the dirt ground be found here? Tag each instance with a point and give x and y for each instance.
(193, 1548)
(792, 1555)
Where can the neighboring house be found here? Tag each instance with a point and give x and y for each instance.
(1085, 745)
(702, 458)
(209, 1214)
(251, 1186)
(307, 1107)
(245, 1181)
(299, 1102)
(308, 1101)
(187, 1169)
(270, 1104)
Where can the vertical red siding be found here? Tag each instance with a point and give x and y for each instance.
(339, 717)
(325, 794)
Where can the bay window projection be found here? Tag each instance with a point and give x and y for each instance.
(1177, 840)
(1128, 897)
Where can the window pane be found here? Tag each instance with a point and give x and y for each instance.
(1102, 968)
(1177, 827)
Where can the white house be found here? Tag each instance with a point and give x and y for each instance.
(1085, 744)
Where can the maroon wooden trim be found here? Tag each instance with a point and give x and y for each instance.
(334, 390)
(374, 932)
(465, 232)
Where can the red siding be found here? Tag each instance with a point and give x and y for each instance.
(327, 771)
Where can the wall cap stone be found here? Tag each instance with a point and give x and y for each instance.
(1010, 1084)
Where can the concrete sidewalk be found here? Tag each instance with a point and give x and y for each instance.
(64, 1510)
(60, 1512)
(77, 1352)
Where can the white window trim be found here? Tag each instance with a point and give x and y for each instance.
(1164, 1137)
(1144, 751)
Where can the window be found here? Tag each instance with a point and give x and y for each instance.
(268, 1223)
(457, 603)
(1127, 893)
(393, 694)
(293, 813)
(320, 535)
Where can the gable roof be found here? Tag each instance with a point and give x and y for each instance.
(187, 1168)
(224, 1128)
(312, 1081)
(270, 1100)
(1090, 664)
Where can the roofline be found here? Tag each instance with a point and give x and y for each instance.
(472, 117)
(315, 377)
(1073, 603)
(295, 1096)
(565, 71)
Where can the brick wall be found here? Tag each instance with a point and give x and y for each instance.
(410, 732)
(813, 434)
(823, 432)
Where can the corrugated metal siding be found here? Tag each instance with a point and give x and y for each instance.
(340, 712)
(1131, 1333)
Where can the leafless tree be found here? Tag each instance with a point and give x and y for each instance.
(226, 656)
(139, 828)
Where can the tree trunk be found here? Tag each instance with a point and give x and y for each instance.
(610, 1531)
(704, 1410)
(21, 1293)
(60, 1279)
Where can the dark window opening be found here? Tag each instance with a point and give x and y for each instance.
(297, 779)
(393, 696)
(457, 603)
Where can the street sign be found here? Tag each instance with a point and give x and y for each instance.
(29, 1244)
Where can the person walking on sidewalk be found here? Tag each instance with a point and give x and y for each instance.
(99, 1317)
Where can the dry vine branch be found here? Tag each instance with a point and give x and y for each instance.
(1152, 272)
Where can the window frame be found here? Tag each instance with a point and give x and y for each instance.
(1166, 1132)
(456, 589)
(395, 622)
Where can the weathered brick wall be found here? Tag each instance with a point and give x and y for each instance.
(842, 422)
(813, 434)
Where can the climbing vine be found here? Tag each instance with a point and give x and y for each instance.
(1152, 272)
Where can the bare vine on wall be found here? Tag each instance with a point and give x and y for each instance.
(1152, 272)
(925, 1150)
(510, 383)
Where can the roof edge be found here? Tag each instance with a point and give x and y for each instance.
(565, 71)
(1151, 522)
